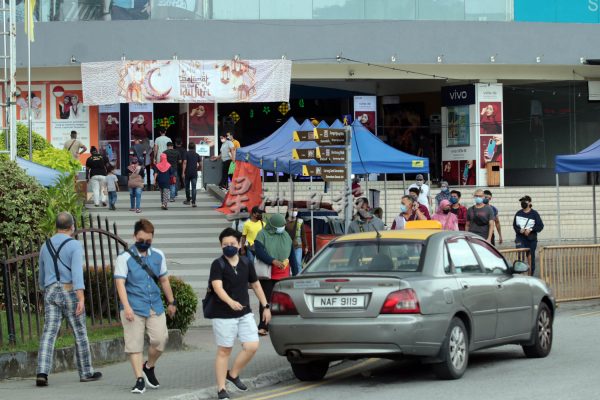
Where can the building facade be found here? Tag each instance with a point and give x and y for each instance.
(404, 53)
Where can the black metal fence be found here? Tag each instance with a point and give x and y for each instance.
(22, 302)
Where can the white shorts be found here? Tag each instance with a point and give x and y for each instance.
(227, 329)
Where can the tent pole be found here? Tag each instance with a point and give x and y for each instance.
(312, 220)
(385, 203)
(403, 184)
(558, 208)
(277, 184)
(594, 200)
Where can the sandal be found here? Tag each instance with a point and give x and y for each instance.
(263, 332)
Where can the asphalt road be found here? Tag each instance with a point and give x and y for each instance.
(571, 371)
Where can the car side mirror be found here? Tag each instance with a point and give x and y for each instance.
(519, 267)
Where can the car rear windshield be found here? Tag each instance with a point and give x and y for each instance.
(368, 256)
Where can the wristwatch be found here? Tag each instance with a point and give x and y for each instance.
(267, 306)
(173, 303)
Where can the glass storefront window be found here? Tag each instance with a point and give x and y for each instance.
(235, 9)
(338, 9)
(286, 9)
(442, 10)
(391, 9)
(486, 10)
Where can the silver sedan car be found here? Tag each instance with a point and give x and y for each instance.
(432, 294)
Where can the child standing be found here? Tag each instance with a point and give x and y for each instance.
(112, 186)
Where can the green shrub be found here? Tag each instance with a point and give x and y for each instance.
(62, 196)
(58, 159)
(187, 303)
(23, 204)
(102, 281)
(39, 142)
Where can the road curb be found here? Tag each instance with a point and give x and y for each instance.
(263, 380)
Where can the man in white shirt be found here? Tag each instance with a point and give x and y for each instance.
(423, 191)
(160, 144)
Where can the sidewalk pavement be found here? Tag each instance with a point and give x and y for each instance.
(183, 375)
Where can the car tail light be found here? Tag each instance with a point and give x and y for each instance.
(403, 301)
(282, 304)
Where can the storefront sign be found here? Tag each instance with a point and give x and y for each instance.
(578, 11)
(68, 113)
(186, 81)
(38, 106)
(458, 95)
(335, 155)
(365, 110)
(329, 174)
(490, 148)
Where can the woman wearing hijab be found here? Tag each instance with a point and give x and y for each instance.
(163, 174)
(135, 183)
(274, 247)
(448, 220)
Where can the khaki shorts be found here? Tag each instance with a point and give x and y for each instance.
(133, 331)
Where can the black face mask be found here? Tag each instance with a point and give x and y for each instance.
(524, 204)
(446, 211)
(142, 246)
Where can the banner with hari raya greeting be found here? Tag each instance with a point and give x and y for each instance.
(186, 81)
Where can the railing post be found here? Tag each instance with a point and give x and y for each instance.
(10, 317)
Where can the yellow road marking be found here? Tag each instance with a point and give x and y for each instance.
(300, 387)
(588, 313)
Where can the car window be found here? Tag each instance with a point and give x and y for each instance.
(446, 261)
(462, 257)
(368, 256)
(493, 263)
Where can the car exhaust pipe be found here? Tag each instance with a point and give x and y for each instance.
(293, 355)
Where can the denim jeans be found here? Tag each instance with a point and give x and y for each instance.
(173, 189)
(135, 196)
(298, 253)
(190, 181)
(112, 198)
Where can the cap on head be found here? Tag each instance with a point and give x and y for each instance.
(525, 198)
(444, 183)
(419, 177)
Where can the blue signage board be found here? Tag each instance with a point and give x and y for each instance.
(578, 11)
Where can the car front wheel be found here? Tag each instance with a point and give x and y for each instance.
(310, 371)
(542, 334)
(455, 352)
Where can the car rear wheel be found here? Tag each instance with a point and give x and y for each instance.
(542, 334)
(310, 371)
(455, 352)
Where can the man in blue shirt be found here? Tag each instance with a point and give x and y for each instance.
(61, 279)
(137, 274)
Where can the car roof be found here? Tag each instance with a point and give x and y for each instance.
(411, 234)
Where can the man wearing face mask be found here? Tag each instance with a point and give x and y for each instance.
(138, 273)
(293, 227)
(480, 217)
(250, 230)
(444, 193)
(274, 247)
(458, 209)
(365, 222)
(229, 278)
(226, 155)
(423, 191)
(488, 200)
(527, 224)
(61, 279)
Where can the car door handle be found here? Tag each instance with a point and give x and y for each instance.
(500, 286)
(465, 285)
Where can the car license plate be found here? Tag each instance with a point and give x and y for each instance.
(339, 301)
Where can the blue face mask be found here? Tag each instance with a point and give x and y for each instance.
(403, 208)
(453, 200)
(444, 189)
(478, 200)
(230, 251)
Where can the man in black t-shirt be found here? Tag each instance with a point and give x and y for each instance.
(96, 175)
(191, 162)
(232, 317)
(181, 150)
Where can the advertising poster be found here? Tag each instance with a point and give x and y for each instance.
(202, 119)
(140, 122)
(68, 113)
(490, 148)
(468, 172)
(450, 172)
(38, 107)
(458, 126)
(108, 133)
(365, 111)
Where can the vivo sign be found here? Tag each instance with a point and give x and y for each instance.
(458, 95)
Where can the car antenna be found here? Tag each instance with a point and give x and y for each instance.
(378, 237)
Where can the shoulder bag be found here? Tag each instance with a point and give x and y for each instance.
(209, 301)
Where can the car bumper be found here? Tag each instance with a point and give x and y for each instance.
(383, 336)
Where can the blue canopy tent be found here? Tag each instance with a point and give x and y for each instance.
(587, 160)
(44, 175)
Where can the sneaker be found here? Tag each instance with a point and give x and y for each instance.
(194, 205)
(149, 377)
(140, 386)
(132, 209)
(92, 377)
(138, 211)
(223, 395)
(41, 380)
(237, 382)
(186, 202)
(103, 204)
(164, 207)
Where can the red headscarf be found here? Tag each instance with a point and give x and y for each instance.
(163, 165)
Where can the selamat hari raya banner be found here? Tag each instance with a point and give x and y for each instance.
(186, 81)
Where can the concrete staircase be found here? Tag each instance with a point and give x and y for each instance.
(188, 236)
